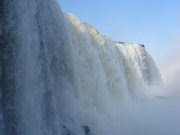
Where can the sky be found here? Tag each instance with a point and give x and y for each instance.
(154, 23)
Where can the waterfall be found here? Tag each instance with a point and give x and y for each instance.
(60, 76)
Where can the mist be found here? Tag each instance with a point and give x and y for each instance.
(61, 76)
(157, 112)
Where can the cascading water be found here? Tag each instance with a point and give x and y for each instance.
(60, 76)
(35, 66)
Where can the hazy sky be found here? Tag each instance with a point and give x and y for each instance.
(155, 23)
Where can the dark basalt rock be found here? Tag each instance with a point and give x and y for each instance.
(86, 130)
(66, 131)
(142, 45)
